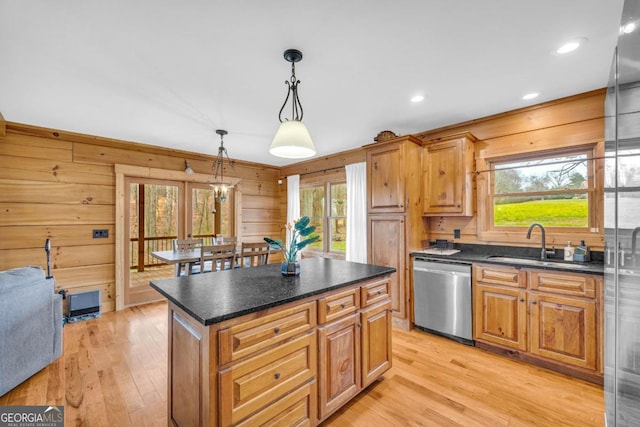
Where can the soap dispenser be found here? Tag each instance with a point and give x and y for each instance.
(568, 252)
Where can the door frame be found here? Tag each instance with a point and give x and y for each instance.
(124, 171)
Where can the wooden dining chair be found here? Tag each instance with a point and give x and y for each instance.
(215, 258)
(253, 254)
(185, 245)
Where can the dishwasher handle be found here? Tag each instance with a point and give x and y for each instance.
(444, 272)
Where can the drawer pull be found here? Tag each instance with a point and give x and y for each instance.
(277, 375)
(379, 292)
(343, 305)
(276, 330)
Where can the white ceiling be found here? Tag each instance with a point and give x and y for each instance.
(170, 72)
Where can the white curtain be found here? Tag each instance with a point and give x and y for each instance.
(293, 200)
(356, 212)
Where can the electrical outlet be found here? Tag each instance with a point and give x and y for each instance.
(456, 233)
(100, 234)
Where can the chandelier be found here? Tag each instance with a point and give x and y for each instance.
(218, 181)
(292, 139)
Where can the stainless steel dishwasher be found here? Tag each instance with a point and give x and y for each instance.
(442, 299)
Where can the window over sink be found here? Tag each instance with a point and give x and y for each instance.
(552, 190)
(556, 189)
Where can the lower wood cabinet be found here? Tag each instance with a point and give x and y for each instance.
(500, 315)
(255, 383)
(376, 342)
(545, 316)
(292, 365)
(564, 329)
(339, 368)
(355, 349)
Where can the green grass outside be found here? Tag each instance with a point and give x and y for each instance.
(550, 213)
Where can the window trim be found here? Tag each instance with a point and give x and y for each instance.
(325, 180)
(487, 231)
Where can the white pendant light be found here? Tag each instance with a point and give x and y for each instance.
(292, 140)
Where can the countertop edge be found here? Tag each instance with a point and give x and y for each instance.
(266, 305)
(462, 258)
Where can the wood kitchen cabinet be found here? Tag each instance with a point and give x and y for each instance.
(339, 373)
(448, 165)
(544, 316)
(394, 206)
(500, 315)
(354, 344)
(376, 342)
(387, 247)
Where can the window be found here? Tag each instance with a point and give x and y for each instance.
(554, 190)
(325, 203)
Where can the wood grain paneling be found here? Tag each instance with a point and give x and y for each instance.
(576, 121)
(12, 214)
(23, 237)
(48, 170)
(61, 185)
(585, 106)
(61, 256)
(38, 148)
(37, 192)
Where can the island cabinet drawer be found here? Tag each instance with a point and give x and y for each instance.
(248, 337)
(297, 408)
(500, 275)
(338, 305)
(373, 293)
(563, 283)
(252, 384)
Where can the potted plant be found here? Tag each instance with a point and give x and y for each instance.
(300, 228)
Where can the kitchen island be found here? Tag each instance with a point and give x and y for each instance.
(249, 346)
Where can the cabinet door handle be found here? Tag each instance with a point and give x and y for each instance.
(276, 330)
(277, 375)
(533, 302)
(359, 325)
(521, 299)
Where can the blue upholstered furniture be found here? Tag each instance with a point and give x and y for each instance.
(30, 325)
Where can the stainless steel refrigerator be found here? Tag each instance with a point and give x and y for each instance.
(622, 227)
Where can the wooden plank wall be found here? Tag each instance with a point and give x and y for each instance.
(61, 185)
(571, 121)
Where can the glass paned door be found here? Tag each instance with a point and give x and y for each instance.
(208, 216)
(153, 222)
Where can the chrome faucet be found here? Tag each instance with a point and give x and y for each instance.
(543, 252)
(634, 234)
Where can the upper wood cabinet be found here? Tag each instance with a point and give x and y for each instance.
(448, 176)
(393, 174)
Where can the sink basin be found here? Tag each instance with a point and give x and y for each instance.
(538, 262)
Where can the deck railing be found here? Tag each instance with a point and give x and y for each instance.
(152, 244)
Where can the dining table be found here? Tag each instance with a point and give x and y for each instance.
(178, 257)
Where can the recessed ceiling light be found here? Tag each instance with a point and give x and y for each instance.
(531, 95)
(629, 28)
(571, 45)
(417, 98)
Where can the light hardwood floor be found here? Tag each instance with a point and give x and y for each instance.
(113, 373)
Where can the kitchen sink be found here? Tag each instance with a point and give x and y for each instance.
(539, 262)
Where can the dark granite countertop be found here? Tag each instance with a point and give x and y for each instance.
(213, 297)
(470, 254)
